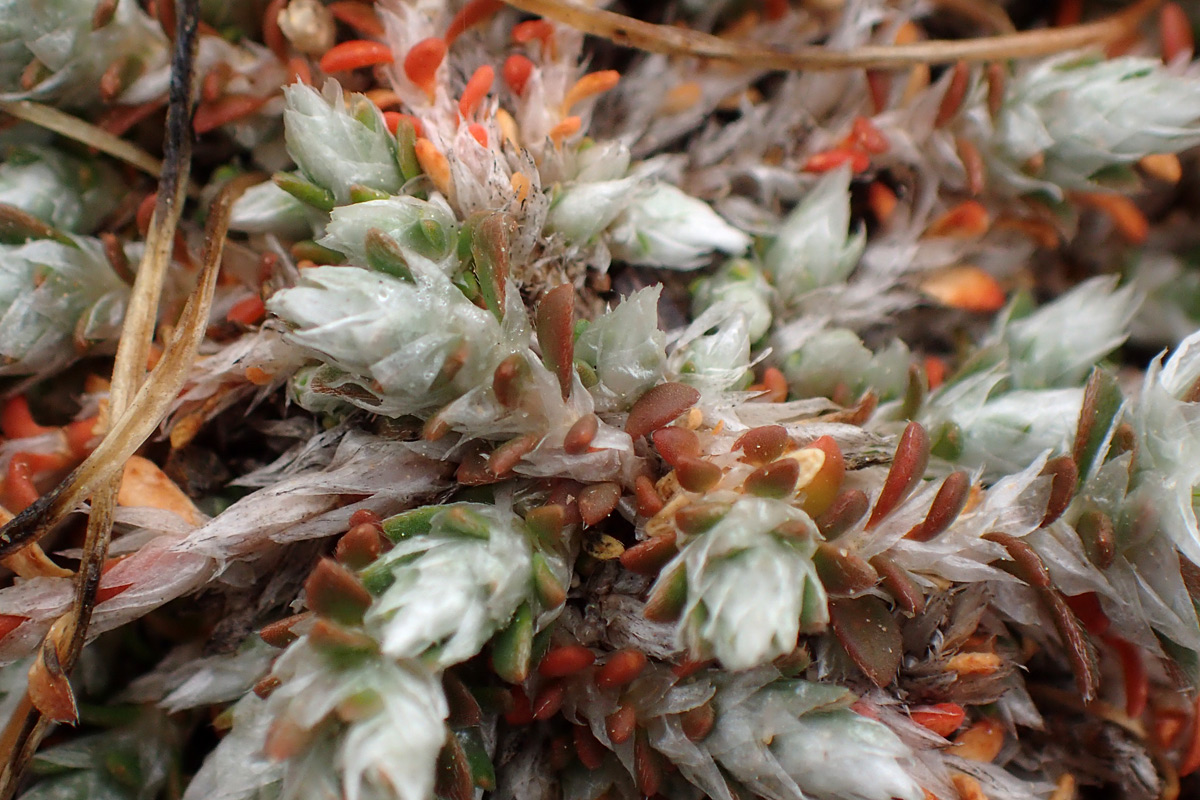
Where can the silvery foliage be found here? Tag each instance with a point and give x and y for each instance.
(57, 299)
(448, 590)
(388, 341)
(750, 589)
(338, 147)
(59, 34)
(626, 349)
(813, 247)
(69, 193)
(1085, 115)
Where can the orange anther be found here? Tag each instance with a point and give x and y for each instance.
(422, 62)
(774, 10)
(475, 90)
(393, 119)
(80, 435)
(355, 54)
(471, 15)
(18, 490)
(965, 221)
(272, 34)
(516, 71)
(967, 287)
(1126, 217)
(210, 116)
(568, 127)
(16, 420)
(478, 133)
(865, 136)
(384, 99)
(832, 159)
(526, 32)
(434, 164)
(358, 15)
(247, 311)
(1175, 31)
(935, 371)
(943, 718)
(589, 85)
(299, 71)
(258, 376)
(882, 201)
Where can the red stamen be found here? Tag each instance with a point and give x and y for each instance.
(210, 116)
(479, 133)
(865, 136)
(247, 311)
(774, 10)
(16, 420)
(516, 71)
(475, 90)
(471, 15)
(526, 32)
(422, 62)
(834, 158)
(9, 623)
(1175, 31)
(299, 71)
(355, 54)
(273, 36)
(360, 16)
(18, 490)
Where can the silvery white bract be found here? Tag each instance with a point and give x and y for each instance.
(1085, 115)
(426, 231)
(713, 354)
(237, 769)
(663, 226)
(450, 590)
(392, 338)
(1167, 422)
(59, 34)
(56, 301)
(750, 591)
(626, 349)
(69, 193)
(393, 753)
(1058, 344)
(838, 358)
(266, 208)
(1007, 433)
(336, 147)
(581, 211)
(813, 247)
(794, 739)
(740, 283)
(397, 712)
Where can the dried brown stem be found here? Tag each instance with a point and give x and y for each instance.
(682, 42)
(67, 637)
(86, 133)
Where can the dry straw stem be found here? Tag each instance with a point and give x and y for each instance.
(86, 133)
(103, 468)
(28, 725)
(670, 40)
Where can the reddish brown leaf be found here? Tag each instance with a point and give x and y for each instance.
(658, 407)
(555, 332)
(908, 467)
(867, 631)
